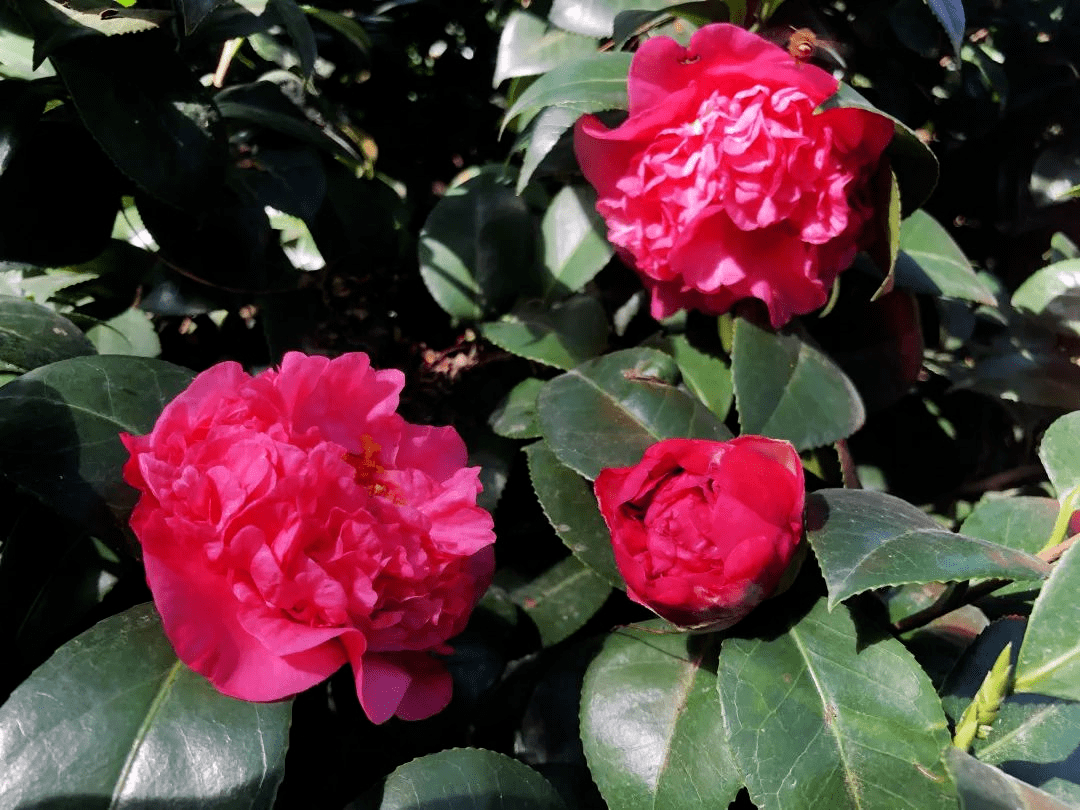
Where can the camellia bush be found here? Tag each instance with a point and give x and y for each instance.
(539, 405)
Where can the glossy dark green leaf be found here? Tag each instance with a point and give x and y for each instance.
(787, 389)
(651, 725)
(465, 779)
(562, 335)
(1020, 522)
(149, 113)
(1060, 453)
(194, 12)
(562, 599)
(708, 377)
(115, 719)
(542, 136)
(239, 107)
(1052, 296)
(819, 718)
(346, 26)
(586, 85)
(608, 411)
(596, 18)
(515, 418)
(32, 335)
(1032, 375)
(950, 13)
(575, 242)
(984, 787)
(528, 46)
(60, 425)
(865, 540)
(912, 161)
(570, 505)
(931, 262)
(478, 246)
(1049, 661)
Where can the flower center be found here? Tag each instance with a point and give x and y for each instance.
(367, 466)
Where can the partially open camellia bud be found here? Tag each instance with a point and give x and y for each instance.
(703, 531)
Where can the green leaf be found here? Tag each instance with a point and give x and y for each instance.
(562, 335)
(1052, 296)
(287, 124)
(346, 26)
(819, 718)
(528, 46)
(60, 425)
(562, 599)
(464, 779)
(865, 540)
(115, 719)
(149, 113)
(32, 335)
(913, 163)
(708, 377)
(950, 13)
(1034, 737)
(586, 85)
(892, 230)
(478, 246)
(110, 19)
(542, 136)
(984, 787)
(596, 18)
(195, 11)
(650, 724)
(570, 506)
(1049, 662)
(1024, 523)
(931, 262)
(299, 30)
(575, 242)
(515, 418)
(129, 333)
(608, 411)
(1021, 522)
(787, 389)
(1018, 373)
(1060, 453)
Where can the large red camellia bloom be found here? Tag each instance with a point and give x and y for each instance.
(723, 183)
(293, 521)
(702, 530)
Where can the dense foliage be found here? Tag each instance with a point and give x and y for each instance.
(186, 182)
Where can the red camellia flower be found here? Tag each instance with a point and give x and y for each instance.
(294, 521)
(723, 183)
(703, 530)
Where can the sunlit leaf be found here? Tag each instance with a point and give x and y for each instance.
(950, 13)
(587, 85)
(707, 376)
(984, 787)
(787, 389)
(819, 718)
(931, 262)
(608, 411)
(650, 723)
(865, 539)
(575, 242)
(570, 505)
(130, 332)
(1052, 295)
(545, 132)
(528, 45)
(1049, 661)
(114, 719)
(1060, 453)
(596, 18)
(562, 335)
